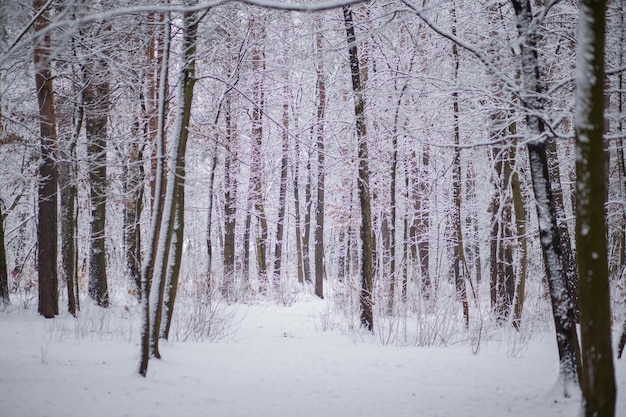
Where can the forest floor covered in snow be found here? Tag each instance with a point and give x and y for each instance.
(269, 360)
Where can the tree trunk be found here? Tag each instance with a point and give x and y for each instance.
(282, 199)
(562, 309)
(96, 120)
(520, 224)
(306, 238)
(4, 276)
(157, 205)
(48, 304)
(367, 267)
(460, 265)
(319, 210)
(258, 100)
(598, 376)
(230, 204)
(298, 220)
(173, 219)
(569, 261)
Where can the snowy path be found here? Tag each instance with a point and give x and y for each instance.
(277, 364)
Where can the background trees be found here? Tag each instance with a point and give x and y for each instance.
(304, 129)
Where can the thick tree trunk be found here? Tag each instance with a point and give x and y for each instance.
(48, 305)
(569, 261)
(598, 376)
(367, 256)
(96, 120)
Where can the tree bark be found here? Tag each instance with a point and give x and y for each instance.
(96, 120)
(598, 376)
(367, 239)
(157, 204)
(319, 209)
(47, 228)
(282, 199)
(171, 230)
(230, 204)
(562, 308)
(460, 265)
(4, 276)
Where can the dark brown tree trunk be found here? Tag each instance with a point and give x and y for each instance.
(230, 208)
(569, 261)
(47, 228)
(319, 209)
(598, 376)
(4, 276)
(96, 120)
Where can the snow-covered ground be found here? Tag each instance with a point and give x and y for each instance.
(276, 361)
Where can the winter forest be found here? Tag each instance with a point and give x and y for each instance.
(294, 207)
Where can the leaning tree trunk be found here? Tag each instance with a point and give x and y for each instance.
(598, 376)
(171, 230)
(48, 305)
(157, 206)
(367, 256)
(562, 309)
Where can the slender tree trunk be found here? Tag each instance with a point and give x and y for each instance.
(69, 211)
(598, 376)
(367, 266)
(230, 207)
(520, 223)
(460, 267)
(48, 305)
(319, 210)
(209, 223)
(296, 198)
(306, 239)
(257, 140)
(282, 199)
(165, 273)
(157, 205)
(420, 230)
(4, 276)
